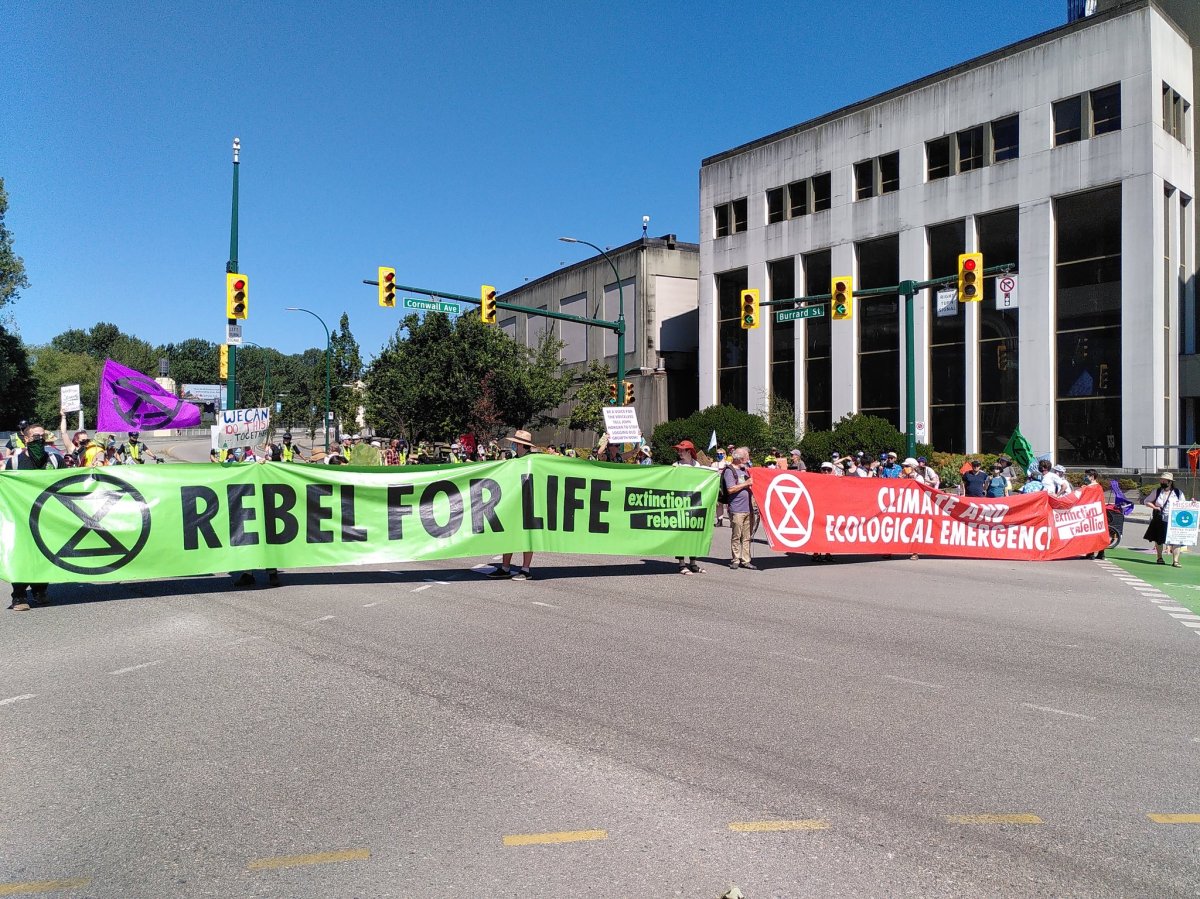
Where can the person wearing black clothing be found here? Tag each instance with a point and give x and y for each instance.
(31, 456)
(975, 480)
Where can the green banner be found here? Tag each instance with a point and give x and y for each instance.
(127, 523)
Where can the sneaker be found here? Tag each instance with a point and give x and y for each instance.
(522, 575)
(750, 565)
(246, 580)
(733, 566)
(500, 574)
(695, 568)
(40, 599)
(19, 605)
(915, 556)
(683, 569)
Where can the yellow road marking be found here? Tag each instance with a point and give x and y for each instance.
(42, 886)
(1174, 819)
(766, 826)
(993, 819)
(314, 858)
(562, 836)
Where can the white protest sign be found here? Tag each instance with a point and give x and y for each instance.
(1006, 292)
(1182, 523)
(947, 302)
(622, 424)
(241, 427)
(70, 398)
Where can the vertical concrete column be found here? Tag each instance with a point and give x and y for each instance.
(971, 347)
(708, 361)
(1036, 344)
(1144, 315)
(758, 345)
(914, 266)
(843, 338)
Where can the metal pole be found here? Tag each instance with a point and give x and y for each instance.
(910, 385)
(328, 350)
(620, 323)
(232, 266)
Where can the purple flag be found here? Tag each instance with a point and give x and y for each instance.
(132, 401)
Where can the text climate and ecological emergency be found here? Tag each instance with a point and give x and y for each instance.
(820, 514)
(170, 521)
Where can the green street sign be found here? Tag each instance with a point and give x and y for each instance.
(432, 306)
(790, 315)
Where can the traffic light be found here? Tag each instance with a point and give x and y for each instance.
(487, 304)
(627, 397)
(387, 287)
(970, 278)
(236, 287)
(841, 306)
(612, 393)
(749, 309)
(224, 369)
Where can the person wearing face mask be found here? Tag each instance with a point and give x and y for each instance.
(1161, 501)
(32, 455)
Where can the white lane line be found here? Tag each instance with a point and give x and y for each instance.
(1190, 623)
(419, 589)
(430, 580)
(1185, 616)
(546, 604)
(1174, 608)
(370, 605)
(20, 698)
(1046, 708)
(322, 618)
(138, 667)
(909, 680)
(481, 566)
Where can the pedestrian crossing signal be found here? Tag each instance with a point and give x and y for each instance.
(749, 309)
(841, 303)
(387, 287)
(970, 277)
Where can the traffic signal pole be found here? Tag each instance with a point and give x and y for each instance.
(908, 289)
(230, 267)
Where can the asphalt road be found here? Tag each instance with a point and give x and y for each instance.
(868, 728)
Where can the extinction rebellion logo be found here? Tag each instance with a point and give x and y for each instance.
(788, 510)
(90, 523)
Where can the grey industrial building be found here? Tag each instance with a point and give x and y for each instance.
(1069, 154)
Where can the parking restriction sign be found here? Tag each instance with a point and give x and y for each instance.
(1006, 292)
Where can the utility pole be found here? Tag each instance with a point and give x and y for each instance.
(230, 267)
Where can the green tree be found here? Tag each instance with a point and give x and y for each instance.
(347, 369)
(51, 369)
(12, 266)
(18, 394)
(590, 397)
(193, 361)
(731, 426)
(781, 424)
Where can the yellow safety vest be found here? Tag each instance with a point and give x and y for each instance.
(134, 451)
(287, 452)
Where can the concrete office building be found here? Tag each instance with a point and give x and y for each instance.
(1069, 154)
(658, 280)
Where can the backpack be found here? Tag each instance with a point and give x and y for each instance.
(723, 489)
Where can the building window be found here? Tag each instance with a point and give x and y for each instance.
(879, 330)
(999, 333)
(889, 173)
(970, 149)
(1106, 109)
(947, 346)
(864, 179)
(741, 215)
(818, 361)
(774, 205)
(1068, 121)
(782, 278)
(731, 339)
(721, 220)
(822, 192)
(1174, 116)
(937, 159)
(798, 199)
(1006, 138)
(1088, 327)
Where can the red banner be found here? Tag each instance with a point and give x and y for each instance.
(813, 513)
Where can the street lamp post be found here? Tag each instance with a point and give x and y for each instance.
(620, 309)
(328, 348)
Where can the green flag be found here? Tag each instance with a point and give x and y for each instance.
(1018, 449)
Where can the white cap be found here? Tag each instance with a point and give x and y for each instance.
(910, 462)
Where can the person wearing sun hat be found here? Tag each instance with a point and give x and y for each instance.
(1161, 501)
(522, 445)
(687, 459)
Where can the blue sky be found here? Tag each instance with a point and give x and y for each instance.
(453, 141)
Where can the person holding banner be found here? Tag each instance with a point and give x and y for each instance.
(31, 455)
(686, 451)
(736, 478)
(522, 445)
(1161, 501)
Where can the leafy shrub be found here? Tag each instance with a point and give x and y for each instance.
(732, 426)
(852, 433)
